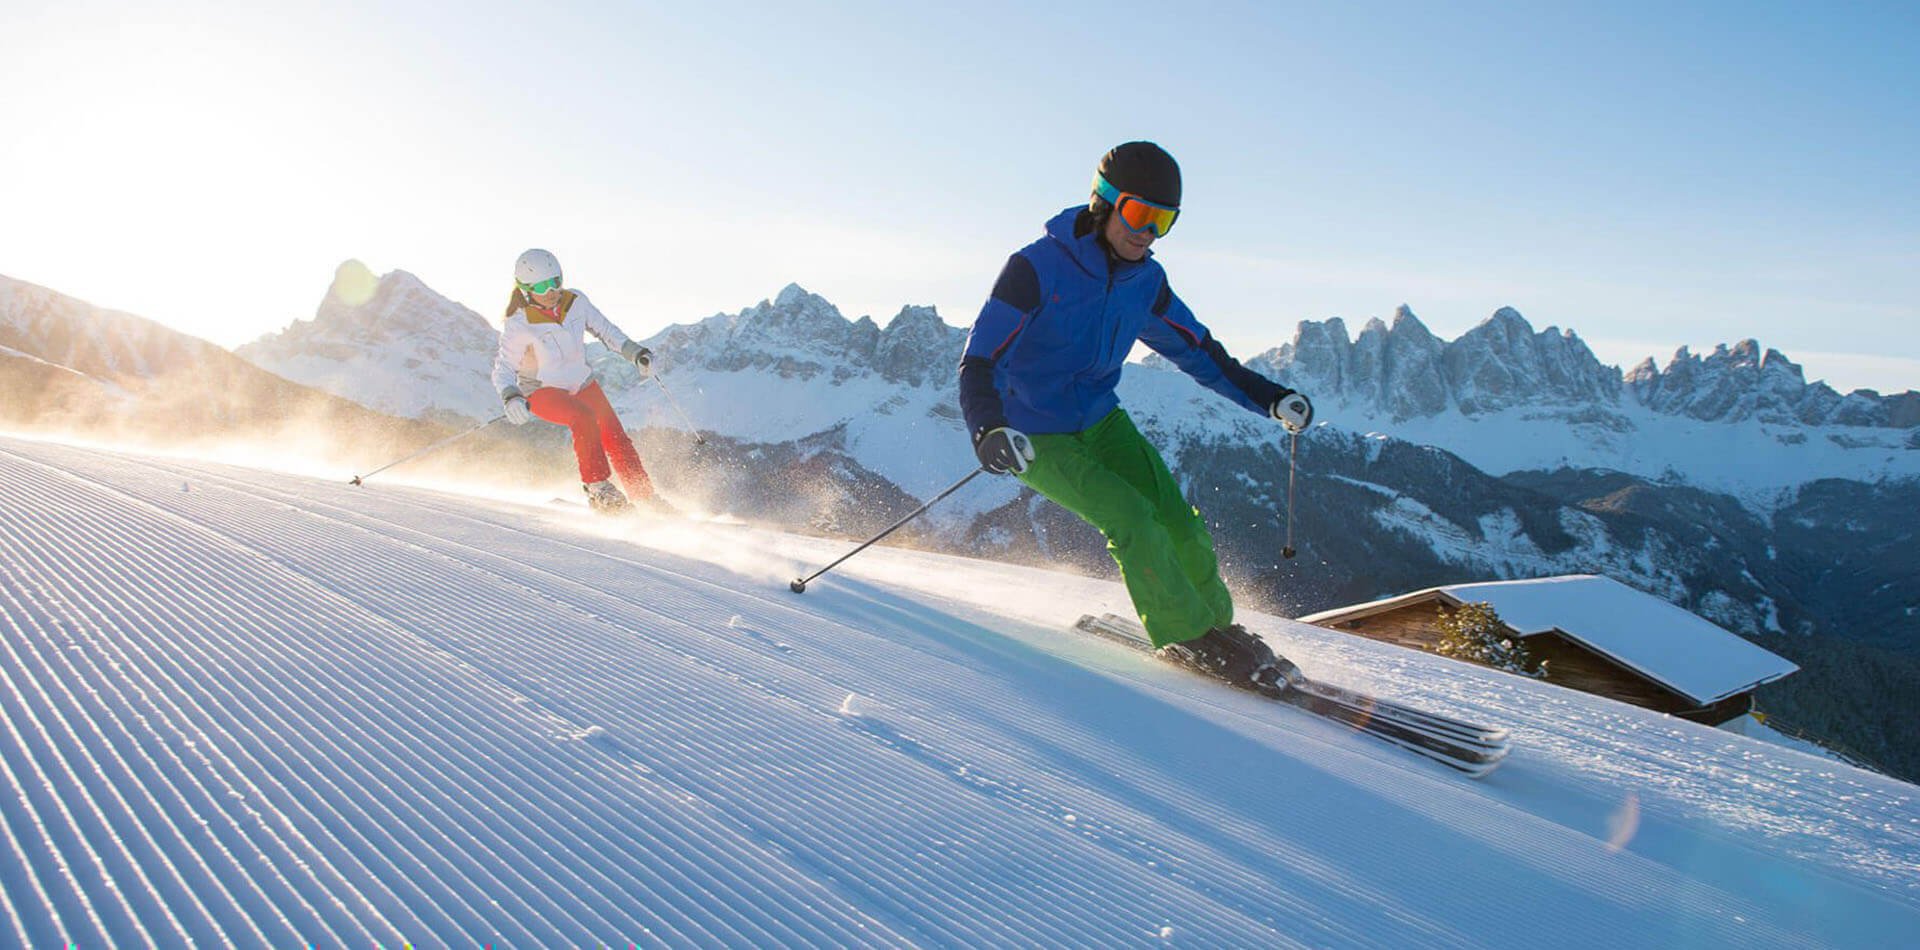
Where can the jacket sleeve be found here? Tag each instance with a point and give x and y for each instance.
(598, 324)
(1174, 332)
(1012, 305)
(506, 362)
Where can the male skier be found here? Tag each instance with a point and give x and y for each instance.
(1037, 389)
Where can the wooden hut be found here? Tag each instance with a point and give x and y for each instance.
(1597, 635)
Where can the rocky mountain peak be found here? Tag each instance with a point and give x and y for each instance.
(1745, 381)
(794, 297)
(1403, 369)
(389, 342)
(801, 318)
(799, 334)
(1503, 363)
(917, 347)
(1645, 369)
(361, 310)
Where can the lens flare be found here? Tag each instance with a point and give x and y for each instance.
(353, 283)
(1623, 823)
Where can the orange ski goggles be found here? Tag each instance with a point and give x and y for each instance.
(1137, 213)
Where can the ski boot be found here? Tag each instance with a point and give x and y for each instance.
(1275, 673)
(1232, 654)
(605, 498)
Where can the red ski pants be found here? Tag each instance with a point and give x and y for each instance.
(598, 437)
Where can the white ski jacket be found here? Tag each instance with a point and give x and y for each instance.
(535, 352)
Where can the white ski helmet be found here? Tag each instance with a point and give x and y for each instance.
(536, 265)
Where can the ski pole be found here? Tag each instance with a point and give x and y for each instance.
(799, 586)
(698, 439)
(357, 479)
(1293, 444)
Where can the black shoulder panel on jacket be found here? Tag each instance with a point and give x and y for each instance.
(1164, 300)
(1019, 285)
(1260, 390)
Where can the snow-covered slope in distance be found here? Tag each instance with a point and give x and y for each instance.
(104, 344)
(252, 707)
(1759, 462)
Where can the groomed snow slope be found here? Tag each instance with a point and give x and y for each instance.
(267, 709)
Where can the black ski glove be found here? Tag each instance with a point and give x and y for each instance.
(1293, 410)
(1003, 449)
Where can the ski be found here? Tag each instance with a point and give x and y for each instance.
(1418, 718)
(1465, 747)
(1447, 727)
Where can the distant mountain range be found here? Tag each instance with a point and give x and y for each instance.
(1402, 371)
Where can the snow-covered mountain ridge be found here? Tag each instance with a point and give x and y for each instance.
(389, 343)
(248, 707)
(1741, 420)
(104, 344)
(1402, 371)
(798, 335)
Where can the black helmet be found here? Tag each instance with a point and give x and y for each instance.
(1140, 168)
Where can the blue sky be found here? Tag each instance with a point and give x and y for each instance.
(1649, 175)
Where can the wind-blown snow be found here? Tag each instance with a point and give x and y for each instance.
(239, 706)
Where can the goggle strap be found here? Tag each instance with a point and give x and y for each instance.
(1159, 218)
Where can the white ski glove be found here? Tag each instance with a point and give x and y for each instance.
(639, 356)
(518, 412)
(1293, 410)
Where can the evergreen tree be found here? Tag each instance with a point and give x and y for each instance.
(1474, 633)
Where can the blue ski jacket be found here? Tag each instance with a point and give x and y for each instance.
(1046, 351)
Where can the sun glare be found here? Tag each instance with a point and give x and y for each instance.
(353, 284)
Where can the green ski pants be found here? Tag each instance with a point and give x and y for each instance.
(1113, 478)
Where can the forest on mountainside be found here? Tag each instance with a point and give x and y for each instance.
(1851, 697)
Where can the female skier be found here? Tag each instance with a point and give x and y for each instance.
(541, 370)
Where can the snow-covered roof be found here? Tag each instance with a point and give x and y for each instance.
(1665, 643)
